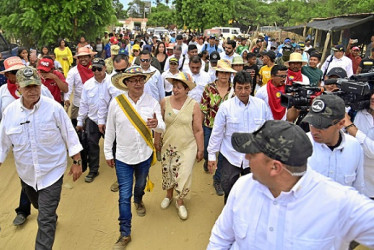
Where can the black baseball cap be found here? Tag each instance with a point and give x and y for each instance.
(326, 110)
(179, 37)
(214, 56)
(279, 140)
(337, 71)
(338, 47)
(98, 62)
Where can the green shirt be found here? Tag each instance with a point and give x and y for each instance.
(314, 75)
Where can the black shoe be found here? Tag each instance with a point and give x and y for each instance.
(91, 177)
(206, 167)
(218, 188)
(19, 220)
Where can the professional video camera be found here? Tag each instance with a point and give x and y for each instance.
(302, 97)
(355, 91)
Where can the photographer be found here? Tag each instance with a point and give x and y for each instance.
(363, 130)
(335, 154)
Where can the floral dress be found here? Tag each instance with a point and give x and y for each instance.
(179, 148)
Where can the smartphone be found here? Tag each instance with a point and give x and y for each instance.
(354, 40)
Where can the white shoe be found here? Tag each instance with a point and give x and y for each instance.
(182, 211)
(165, 203)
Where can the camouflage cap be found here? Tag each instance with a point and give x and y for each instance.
(326, 110)
(28, 76)
(279, 140)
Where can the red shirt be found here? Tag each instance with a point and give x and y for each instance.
(355, 61)
(53, 87)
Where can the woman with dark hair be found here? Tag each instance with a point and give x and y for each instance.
(161, 55)
(64, 56)
(24, 55)
(43, 52)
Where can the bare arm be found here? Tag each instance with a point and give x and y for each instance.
(198, 131)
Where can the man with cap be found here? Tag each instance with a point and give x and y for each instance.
(177, 53)
(300, 48)
(9, 93)
(335, 154)
(77, 76)
(229, 52)
(112, 41)
(92, 93)
(242, 113)
(135, 51)
(268, 59)
(210, 46)
(353, 53)
(199, 76)
(271, 92)
(367, 64)
(40, 160)
(258, 48)
(114, 50)
(53, 79)
(294, 65)
(131, 127)
(171, 72)
(180, 42)
(213, 59)
(237, 65)
(283, 204)
(334, 73)
(338, 59)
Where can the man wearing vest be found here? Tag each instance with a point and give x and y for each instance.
(131, 118)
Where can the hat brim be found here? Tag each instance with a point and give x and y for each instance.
(303, 63)
(15, 67)
(190, 84)
(85, 54)
(229, 70)
(118, 79)
(317, 121)
(29, 83)
(244, 143)
(46, 69)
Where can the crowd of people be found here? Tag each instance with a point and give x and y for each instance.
(184, 99)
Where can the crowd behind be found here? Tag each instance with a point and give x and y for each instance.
(178, 100)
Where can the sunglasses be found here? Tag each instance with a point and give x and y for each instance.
(120, 70)
(145, 60)
(173, 63)
(96, 68)
(282, 76)
(135, 51)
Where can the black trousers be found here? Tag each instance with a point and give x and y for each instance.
(93, 138)
(229, 175)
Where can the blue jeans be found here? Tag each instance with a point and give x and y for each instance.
(217, 174)
(125, 177)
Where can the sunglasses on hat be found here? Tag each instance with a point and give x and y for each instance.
(96, 68)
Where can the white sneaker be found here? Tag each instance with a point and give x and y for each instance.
(182, 211)
(165, 203)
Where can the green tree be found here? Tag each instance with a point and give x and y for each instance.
(161, 15)
(118, 9)
(37, 22)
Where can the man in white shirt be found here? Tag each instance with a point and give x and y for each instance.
(335, 154)
(213, 60)
(274, 89)
(285, 205)
(177, 53)
(172, 71)
(40, 131)
(134, 154)
(242, 113)
(92, 93)
(229, 52)
(192, 51)
(76, 77)
(180, 42)
(337, 60)
(154, 86)
(199, 76)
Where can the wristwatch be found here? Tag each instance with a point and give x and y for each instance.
(78, 162)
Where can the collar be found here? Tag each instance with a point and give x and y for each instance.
(340, 147)
(240, 103)
(36, 106)
(105, 78)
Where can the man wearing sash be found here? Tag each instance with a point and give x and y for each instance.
(131, 118)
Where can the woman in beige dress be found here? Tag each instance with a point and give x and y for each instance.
(182, 142)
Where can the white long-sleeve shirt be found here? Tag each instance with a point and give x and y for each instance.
(343, 62)
(39, 137)
(234, 116)
(344, 164)
(131, 147)
(154, 86)
(201, 80)
(315, 214)
(93, 91)
(109, 93)
(74, 81)
(365, 136)
(6, 97)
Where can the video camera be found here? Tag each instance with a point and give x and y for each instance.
(302, 96)
(355, 91)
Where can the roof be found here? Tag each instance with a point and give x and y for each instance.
(298, 29)
(341, 22)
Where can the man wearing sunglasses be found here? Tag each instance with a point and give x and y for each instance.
(335, 154)
(92, 92)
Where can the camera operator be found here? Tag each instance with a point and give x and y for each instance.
(335, 154)
(366, 64)
(363, 130)
(271, 92)
(334, 73)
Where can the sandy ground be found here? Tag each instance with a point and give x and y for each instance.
(88, 214)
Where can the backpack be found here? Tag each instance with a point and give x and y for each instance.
(206, 45)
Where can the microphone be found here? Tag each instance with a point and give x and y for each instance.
(23, 123)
